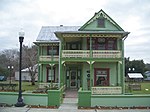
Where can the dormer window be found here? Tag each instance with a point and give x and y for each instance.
(101, 23)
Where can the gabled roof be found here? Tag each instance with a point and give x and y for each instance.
(101, 13)
(47, 32)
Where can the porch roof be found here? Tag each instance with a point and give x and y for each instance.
(120, 34)
(46, 43)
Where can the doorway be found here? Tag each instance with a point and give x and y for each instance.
(73, 79)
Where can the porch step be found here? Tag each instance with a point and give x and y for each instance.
(71, 93)
(69, 103)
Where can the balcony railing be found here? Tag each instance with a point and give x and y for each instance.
(94, 54)
(48, 58)
(75, 53)
(83, 54)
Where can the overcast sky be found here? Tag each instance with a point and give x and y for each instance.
(132, 15)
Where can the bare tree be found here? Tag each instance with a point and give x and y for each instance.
(9, 57)
(30, 61)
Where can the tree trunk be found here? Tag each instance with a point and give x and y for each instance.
(32, 80)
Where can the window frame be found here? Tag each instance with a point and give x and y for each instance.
(101, 23)
(108, 76)
(95, 43)
(50, 48)
(48, 69)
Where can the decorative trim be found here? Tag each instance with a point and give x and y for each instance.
(93, 35)
(62, 62)
(88, 62)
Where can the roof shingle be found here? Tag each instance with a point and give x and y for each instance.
(47, 32)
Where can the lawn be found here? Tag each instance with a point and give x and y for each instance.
(25, 85)
(145, 88)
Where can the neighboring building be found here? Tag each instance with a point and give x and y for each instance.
(135, 77)
(90, 57)
(147, 75)
(25, 75)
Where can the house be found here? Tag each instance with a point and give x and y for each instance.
(147, 76)
(89, 58)
(25, 75)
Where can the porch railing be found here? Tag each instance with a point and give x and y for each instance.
(75, 53)
(106, 90)
(95, 54)
(48, 58)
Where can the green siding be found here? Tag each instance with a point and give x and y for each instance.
(54, 98)
(120, 100)
(84, 98)
(29, 98)
(86, 67)
(108, 26)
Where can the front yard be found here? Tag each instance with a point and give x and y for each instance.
(145, 88)
(26, 86)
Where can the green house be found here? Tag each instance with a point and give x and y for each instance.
(89, 58)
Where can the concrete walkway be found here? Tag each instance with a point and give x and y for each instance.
(69, 105)
(24, 109)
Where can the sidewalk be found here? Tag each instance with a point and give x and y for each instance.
(24, 109)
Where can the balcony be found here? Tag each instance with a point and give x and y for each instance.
(94, 54)
(48, 58)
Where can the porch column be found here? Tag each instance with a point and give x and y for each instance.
(90, 78)
(91, 74)
(119, 73)
(51, 65)
(123, 68)
(39, 72)
(60, 64)
(52, 55)
(91, 46)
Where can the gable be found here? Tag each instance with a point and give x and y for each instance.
(101, 22)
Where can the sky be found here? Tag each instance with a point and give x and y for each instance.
(132, 15)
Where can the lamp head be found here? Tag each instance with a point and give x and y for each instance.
(21, 35)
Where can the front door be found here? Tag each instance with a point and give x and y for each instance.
(73, 78)
(101, 77)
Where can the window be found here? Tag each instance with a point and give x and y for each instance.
(101, 23)
(52, 50)
(102, 44)
(73, 45)
(101, 77)
(50, 74)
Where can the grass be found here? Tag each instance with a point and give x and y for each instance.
(25, 85)
(145, 88)
(28, 87)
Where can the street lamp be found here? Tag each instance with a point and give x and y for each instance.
(131, 69)
(10, 67)
(20, 102)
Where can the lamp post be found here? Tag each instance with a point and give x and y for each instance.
(10, 67)
(20, 102)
